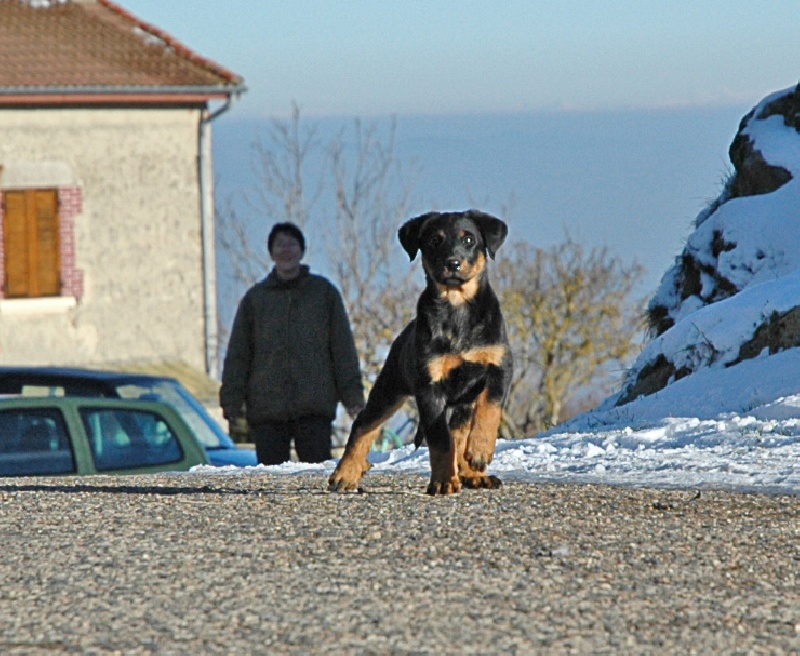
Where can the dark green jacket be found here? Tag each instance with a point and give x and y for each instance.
(291, 352)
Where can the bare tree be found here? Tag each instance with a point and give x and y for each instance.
(279, 165)
(368, 194)
(372, 201)
(571, 322)
(359, 199)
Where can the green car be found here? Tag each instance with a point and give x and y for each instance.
(83, 436)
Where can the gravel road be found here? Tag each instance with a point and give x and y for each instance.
(262, 564)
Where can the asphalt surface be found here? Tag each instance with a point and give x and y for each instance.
(261, 564)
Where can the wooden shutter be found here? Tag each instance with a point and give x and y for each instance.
(31, 242)
(15, 237)
(48, 260)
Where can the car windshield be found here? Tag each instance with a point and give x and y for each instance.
(171, 392)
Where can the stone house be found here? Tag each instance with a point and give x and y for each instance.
(106, 188)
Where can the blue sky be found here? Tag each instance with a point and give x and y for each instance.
(610, 120)
(391, 57)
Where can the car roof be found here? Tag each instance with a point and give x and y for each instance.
(77, 373)
(89, 402)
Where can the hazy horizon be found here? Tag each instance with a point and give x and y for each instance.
(369, 59)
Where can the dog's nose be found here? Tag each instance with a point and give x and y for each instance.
(453, 265)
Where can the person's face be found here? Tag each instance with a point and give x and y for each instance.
(286, 254)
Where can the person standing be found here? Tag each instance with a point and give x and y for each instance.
(291, 357)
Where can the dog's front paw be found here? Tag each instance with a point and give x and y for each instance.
(479, 460)
(346, 476)
(449, 486)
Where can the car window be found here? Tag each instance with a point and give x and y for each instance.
(34, 442)
(168, 392)
(42, 390)
(127, 438)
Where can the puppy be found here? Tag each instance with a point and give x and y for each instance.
(453, 358)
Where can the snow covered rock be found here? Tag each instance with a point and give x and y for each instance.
(734, 292)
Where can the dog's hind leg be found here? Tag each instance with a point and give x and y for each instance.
(441, 446)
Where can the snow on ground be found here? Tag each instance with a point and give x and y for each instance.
(705, 431)
(722, 427)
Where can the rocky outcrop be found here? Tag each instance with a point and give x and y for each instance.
(748, 238)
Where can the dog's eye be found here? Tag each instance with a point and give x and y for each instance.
(468, 239)
(434, 241)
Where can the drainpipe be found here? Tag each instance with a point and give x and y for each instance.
(208, 237)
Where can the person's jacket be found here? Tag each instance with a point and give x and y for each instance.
(291, 352)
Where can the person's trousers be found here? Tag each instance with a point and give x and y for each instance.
(311, 435)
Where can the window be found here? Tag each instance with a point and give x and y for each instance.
(174, 394)
(37, 248)
(123, 439)
(34, 442)
(31, 243)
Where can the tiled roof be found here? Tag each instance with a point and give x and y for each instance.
(75, 47)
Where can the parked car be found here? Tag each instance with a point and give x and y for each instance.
(81, 436)
(63, 381)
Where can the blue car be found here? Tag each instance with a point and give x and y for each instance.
(62, 381)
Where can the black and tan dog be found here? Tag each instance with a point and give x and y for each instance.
(453, 357)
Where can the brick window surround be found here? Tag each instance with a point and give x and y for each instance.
(70, 205)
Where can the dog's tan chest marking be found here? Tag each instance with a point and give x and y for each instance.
(459, 295)
(486, 355)
(441, 366)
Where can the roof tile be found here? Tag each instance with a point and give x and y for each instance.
(93, 44)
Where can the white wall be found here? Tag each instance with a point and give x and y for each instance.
(138, 236)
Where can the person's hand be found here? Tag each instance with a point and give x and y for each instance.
(233, 415)
(353, 410)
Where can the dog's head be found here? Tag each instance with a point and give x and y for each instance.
(453, 244)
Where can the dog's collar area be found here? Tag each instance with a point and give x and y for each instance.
(451, 285)
(457, 295)
(444, 283)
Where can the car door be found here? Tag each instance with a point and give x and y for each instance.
(128, 438)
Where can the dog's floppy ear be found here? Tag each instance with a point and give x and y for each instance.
(409, 234)
(494, 230)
